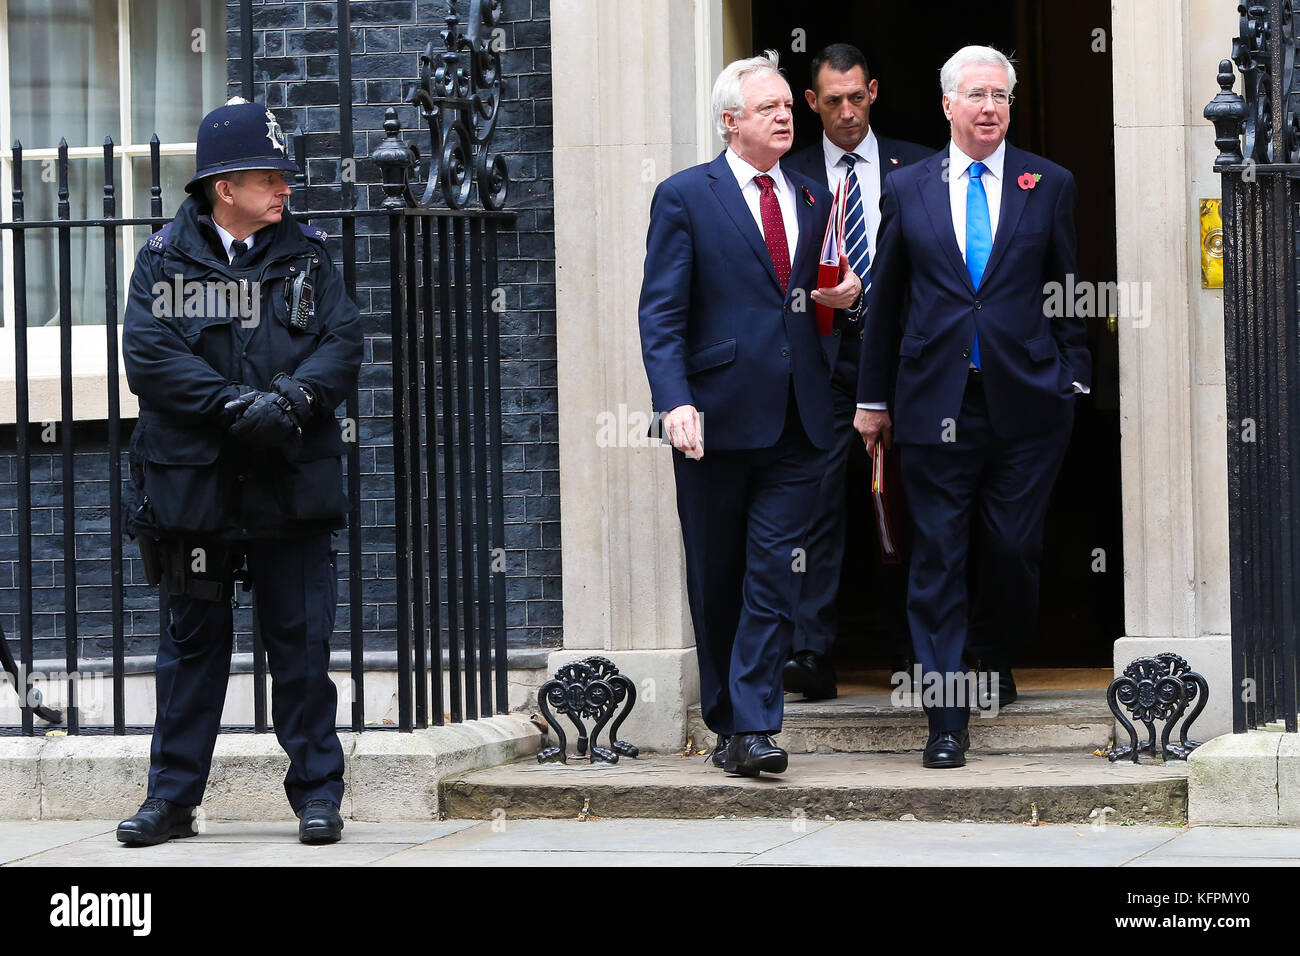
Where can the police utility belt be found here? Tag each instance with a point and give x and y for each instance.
(202, 569)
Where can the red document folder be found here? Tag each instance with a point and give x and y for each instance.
(887, 502)
(828, 269)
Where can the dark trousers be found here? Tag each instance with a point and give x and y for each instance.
(296, 590)
(1005, 485)
(816, 613)
(743, 516)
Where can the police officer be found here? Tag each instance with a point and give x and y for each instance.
(240, 343)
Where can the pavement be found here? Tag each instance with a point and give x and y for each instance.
(658, 842)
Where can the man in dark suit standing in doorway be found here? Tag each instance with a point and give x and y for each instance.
(731, 350)
(841, 95)
(983, 406)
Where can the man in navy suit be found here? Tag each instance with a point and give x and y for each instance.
(730, 343)
(985, 381)
(842, 93)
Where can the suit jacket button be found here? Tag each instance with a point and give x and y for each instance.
(965, 353)
(785, 353)
(978, 305)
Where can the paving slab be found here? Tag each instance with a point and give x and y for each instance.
(552, 858)
(1005, 788)
(25, 838)
(629, 836)
(1281, 843)
(199, 850)
(257, 831)
(854, 843)
(1149, 862)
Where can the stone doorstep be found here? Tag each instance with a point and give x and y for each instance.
(390, 775)
(1250, 779)
(1039, 720)
(992, 788)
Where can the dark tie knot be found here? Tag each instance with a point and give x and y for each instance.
(851, 159)
(977, 170)
(238, 248)
(765, 183)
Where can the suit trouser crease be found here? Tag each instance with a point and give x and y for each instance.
(1006, 485)
(744, 514)
(296, 589)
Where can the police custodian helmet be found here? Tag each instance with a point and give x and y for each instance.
(239, 135)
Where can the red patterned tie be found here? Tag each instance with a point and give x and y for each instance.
(774, 229)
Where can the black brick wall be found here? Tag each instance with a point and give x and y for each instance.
(296, 70)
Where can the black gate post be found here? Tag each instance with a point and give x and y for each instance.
(1258, 136)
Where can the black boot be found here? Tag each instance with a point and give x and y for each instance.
(319, 822)
(157, 821)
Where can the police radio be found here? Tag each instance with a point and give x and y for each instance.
(302, 302)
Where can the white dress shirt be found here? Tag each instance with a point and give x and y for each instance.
(745, 174)
(227, 239)
(869, 175)
(959, 184)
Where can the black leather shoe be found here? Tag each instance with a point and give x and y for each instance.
(319, 822)
(157, 821)
(810, 674)
(1006, 683)
(946, 749)
(720, 751)
(904, 666)
(751, 754)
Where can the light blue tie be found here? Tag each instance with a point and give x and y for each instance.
(856, 246)
(979, 238)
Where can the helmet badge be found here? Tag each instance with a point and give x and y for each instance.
(275, 134)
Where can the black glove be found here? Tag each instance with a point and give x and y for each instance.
(299, 394)
(264, 418)
(231, 410)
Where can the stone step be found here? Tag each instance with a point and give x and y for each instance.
(1039, 720)
(991, 788)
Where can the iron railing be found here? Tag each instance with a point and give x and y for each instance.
(1258, 137)
(449, 587)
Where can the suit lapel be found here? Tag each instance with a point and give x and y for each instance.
(934, 196)
(727, 190)
(810, 238)
(889, 158)
(1013, 205)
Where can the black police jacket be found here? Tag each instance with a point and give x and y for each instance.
(187, 351)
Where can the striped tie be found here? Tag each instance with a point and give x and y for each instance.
(856, 246)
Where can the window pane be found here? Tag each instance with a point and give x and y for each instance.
(177, 74)
(63, 71)
(174, 172)
(86, 198)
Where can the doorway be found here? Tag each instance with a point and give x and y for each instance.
(1063, 111)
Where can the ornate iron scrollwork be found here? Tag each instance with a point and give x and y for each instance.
(591, 689)
(1157, 688)
(459, 97)
(1251, 53)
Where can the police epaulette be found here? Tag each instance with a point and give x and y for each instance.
(158, 241)
(311, 232)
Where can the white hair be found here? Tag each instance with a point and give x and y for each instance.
(950, 73)
(729, 88)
